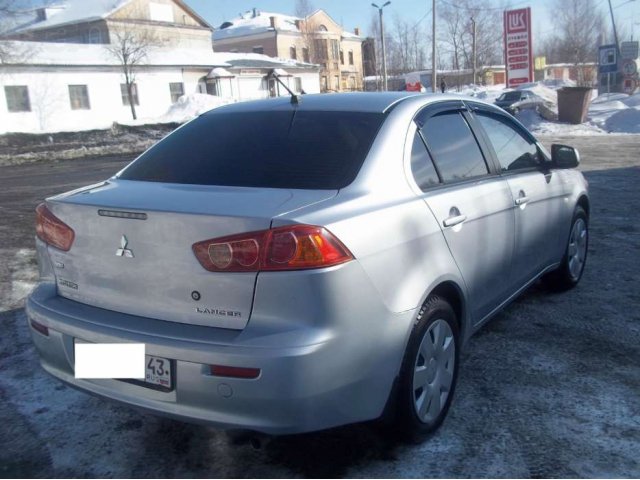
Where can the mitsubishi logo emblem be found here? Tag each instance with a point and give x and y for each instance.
(123, 251)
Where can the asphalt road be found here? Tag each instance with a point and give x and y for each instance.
(549, 388)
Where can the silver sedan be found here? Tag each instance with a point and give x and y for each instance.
(294, 266)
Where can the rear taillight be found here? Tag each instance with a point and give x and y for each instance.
(294, 247)
(51, 230)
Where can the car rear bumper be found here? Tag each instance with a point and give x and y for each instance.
(321, 378)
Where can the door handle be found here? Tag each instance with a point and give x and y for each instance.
(453, 221)
(522, 200)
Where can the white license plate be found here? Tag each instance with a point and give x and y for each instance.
(157, 371)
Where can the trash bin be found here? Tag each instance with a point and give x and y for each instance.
(573, 104)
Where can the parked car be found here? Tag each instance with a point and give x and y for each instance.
(294, 267)
(517, 100)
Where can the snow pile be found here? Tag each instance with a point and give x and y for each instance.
(190, 106)
(616, 113)
(538, 125)
(186, 108)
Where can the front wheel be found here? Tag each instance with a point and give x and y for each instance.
(429, 369)
(570, 271)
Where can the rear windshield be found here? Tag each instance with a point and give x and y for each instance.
(272, 149)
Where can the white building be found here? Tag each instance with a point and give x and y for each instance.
(68, 87)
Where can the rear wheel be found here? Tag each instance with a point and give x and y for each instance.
(429, 370)
(570, 271)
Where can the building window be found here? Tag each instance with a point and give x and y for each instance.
(292, 53)
(177, 90)
(297, 84)
(335, 49)
(125, 94)
(336, 83)
(350, 57)
(320, 47)
(258, 49)
(323, 83)
(305, 55)
(18, 98)
(79, 97)
(95, 35)
(341, 57)
(322, 28)
(352, 83)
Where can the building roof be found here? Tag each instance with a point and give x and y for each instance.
(256, 21)
(56, 54)
(80, 11)
(257, 60)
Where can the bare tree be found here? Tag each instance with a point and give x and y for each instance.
(580, 26)
(456, 37)
(12, 14)
(130, 45)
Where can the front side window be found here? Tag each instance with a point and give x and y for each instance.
(455, 150)
(17, 98)
(124, 93)
(79, 97)
(424, 173)
(177, 90)
(514, 152)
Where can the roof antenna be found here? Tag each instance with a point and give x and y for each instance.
(295, 99)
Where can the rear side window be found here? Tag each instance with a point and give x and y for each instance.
(455, 151)
(271, 149)
(422, 167)
(514, 152)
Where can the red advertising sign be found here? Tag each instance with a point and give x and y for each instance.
(518, 48)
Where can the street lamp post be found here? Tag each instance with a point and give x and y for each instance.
(384, 53)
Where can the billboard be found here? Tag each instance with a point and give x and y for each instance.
(518, 48)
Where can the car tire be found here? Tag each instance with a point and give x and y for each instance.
(429, 370)
(570, 271)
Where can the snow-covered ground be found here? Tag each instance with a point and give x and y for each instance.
(609, 113)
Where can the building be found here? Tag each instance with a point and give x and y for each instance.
(172, 22)
(584, 74)
(316, 39)
(82, 88)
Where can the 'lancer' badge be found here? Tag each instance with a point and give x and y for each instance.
(123, 251)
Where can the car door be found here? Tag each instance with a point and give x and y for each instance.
(470, 201)
(538, 192)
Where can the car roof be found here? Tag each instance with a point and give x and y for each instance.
(343, 102)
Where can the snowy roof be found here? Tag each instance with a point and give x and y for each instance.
(44, 53)
(249, 23)
(74, 11)
(77, 11)
(257, 60)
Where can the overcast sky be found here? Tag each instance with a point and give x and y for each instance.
(357, 13)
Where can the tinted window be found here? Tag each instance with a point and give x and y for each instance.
(513, 150)
(274, 149)
(455, 150)
(511, 96)
(422, 167)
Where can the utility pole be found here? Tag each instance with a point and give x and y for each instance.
(434, 80)
(473, 47)
(613, 22)
(384, 52)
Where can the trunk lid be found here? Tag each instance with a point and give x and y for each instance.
(144, 265)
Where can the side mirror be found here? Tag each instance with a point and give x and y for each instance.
(564, 156)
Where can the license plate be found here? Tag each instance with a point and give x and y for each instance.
(158, 371)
